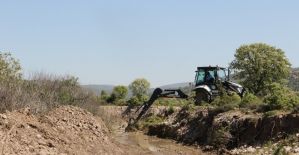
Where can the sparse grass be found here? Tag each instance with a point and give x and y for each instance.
(172, 102)
(152, 120)
(170, 110)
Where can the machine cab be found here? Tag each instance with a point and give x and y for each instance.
(209, 75)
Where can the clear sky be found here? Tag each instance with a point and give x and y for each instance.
(116, 41)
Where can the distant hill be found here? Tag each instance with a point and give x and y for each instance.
(175, 85)
(108, 88)
(294, 79)
(98, 88)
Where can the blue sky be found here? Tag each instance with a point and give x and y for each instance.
(116, 41)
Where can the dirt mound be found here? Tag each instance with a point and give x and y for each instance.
(65, 130)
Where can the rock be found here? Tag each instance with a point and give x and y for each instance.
(287, 148)
(296, 150)
(251, 149)
(3, 116)
(258, 147)
(38, 136)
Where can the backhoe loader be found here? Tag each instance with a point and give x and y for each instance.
(209, 83)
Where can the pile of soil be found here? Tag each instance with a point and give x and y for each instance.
(65, 130)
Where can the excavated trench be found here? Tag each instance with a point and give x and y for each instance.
(138, 142)
(212, 130)
(226, 130)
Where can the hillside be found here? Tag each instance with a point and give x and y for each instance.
(294, 79)
(98, 88)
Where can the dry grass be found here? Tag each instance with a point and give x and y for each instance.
(42, 92)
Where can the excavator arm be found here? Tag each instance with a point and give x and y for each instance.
(158, 92)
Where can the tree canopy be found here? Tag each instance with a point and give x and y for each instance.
(10, 68)
(258, 65)
(139, 87)
(120, 92)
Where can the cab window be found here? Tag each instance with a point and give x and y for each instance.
(221, 75)
(200, 76)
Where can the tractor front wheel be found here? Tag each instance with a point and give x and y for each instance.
(201, 96)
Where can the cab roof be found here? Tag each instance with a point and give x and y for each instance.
(210, 67)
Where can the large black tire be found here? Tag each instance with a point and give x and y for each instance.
(201, 96)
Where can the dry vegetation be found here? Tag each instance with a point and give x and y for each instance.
(43, 92)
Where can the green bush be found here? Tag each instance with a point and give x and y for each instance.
(104, 95)
(250, 101)
(138, 100)
(121, 102)
(281, 97)
(225, 99)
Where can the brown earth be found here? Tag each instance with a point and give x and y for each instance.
(65, 130)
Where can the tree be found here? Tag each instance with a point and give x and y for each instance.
(259, 65)
(104, 95)
(139, 87)
(120, 92)
(10, 68)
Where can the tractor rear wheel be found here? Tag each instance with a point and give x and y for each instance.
(201, 96)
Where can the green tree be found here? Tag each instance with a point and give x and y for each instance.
(120, 92)
(259, 65)
(10, 68)
(139, 87)
(104, 95)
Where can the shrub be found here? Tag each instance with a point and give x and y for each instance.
(170, 110)
(225, 99)
(120, 92)
(281, 97)
(10, 69)
(104, 95)
(138, 100)
(250, 101)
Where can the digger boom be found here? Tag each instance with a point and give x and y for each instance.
(158, 92)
